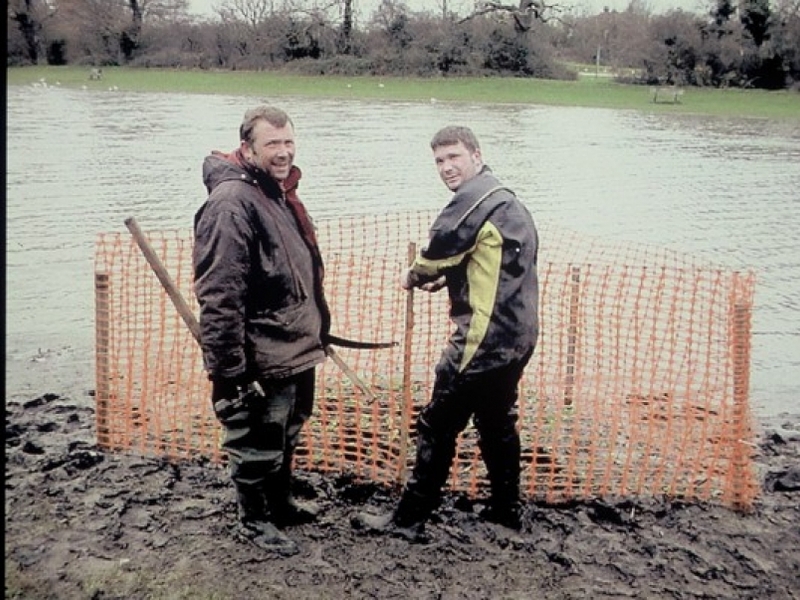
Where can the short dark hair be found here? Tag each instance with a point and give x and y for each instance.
(271, 114)
(453, 134)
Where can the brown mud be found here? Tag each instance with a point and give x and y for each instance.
(81, 523)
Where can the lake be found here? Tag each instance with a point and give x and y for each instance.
(80, 162)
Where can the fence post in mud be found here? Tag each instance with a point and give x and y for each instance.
(740, 481)
(572, 334)
(408, 392)
(102, 347)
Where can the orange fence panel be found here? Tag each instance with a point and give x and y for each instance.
(638, 386)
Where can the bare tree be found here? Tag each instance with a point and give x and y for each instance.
(93, 28)
(30, 16)
(345, 41)
(524, 14)
(150, 9)
(756, 17)
(163, 10)
(252, 12)
(110, 31)
(129, 38)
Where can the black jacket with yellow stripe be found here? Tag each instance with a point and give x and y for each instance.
(486, 244)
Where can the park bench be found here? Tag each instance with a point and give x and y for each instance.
(667, 94)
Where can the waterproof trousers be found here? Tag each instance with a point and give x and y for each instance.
(490, 398)
(262, 433)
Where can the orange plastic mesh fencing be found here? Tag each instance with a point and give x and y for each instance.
(638, 385)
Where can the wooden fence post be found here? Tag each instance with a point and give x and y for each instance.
(572, 334)
(740, 349)
(102, 365)
(408, 392)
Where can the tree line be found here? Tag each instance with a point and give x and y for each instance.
(742, 43)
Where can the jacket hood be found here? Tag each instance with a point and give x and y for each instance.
(219, 167)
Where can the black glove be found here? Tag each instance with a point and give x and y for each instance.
(229, 387)
(233, 399)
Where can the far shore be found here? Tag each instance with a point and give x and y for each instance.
(587, 91)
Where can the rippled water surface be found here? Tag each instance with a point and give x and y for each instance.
(80, 162)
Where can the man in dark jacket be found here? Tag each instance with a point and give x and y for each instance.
(258, 280)
(483, 246)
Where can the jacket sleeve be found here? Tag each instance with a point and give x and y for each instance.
(450, 242)
(221, 258)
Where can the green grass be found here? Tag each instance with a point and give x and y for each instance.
(587, 91)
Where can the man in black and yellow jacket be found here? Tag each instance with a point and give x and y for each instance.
(483, 246)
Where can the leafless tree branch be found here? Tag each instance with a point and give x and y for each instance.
(524, 13)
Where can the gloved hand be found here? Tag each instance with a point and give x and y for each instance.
(232, 397)
(229, 388)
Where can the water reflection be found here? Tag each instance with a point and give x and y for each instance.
(80, 162)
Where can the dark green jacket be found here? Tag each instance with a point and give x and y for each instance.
(486, 244)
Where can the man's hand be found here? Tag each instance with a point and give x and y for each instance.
(407, 280)
(226, 388)
(235, 387)
(435, 285)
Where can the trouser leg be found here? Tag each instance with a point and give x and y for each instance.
(278, 425)
(500, 448)
(255, 435)
(285, 509)
(438, 427)
(254, 454)
(301, 411)
(498, 438)
(241, 444)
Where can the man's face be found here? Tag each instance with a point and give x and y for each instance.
(456, 164)
(272, 149)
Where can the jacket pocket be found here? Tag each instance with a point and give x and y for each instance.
(283, 324)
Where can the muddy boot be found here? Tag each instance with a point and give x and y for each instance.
(254, 527)
(507, 514)
(284, 509)
(501, 453)
(406, 521)
(288, 511)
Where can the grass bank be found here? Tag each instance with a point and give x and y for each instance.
(587, 91)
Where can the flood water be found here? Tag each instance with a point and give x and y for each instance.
(80, 162)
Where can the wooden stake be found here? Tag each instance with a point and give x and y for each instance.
(408, 391)
(572, 335)
(102, 363)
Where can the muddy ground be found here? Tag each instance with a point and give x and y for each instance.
(81, 523)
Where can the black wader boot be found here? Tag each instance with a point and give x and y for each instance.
(423, 489)
(284, 509)
(505, 512)
(501, 456)
(406, 521)
(254, 525)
